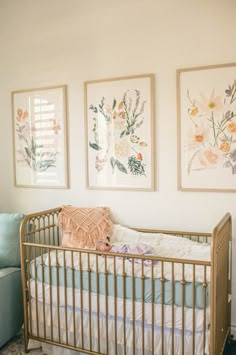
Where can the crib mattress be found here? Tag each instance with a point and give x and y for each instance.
(145, 289)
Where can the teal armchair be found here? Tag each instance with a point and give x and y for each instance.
(11, 304)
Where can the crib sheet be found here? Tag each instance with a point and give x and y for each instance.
(147, 289)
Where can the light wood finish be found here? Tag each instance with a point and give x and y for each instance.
(40, 235)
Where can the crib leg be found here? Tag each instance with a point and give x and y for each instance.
(26, 340)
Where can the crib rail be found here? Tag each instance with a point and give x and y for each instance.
(221, 274)
(118, 303)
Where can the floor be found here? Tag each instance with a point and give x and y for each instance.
(230, 349)
(16, 347)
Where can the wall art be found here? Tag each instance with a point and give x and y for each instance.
(120, 133)
(206, 105)
(40, 137)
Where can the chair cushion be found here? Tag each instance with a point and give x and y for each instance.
(10, 239)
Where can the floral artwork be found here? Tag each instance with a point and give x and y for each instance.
(30, 153)
(39, 132)
(119, 133)
(207, 117)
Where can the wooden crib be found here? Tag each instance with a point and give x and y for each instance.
(103, 304)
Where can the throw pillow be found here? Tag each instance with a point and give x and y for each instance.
(82, 227)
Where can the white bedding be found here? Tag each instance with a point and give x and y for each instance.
(44, 293)
(163, 246)
(90, 308)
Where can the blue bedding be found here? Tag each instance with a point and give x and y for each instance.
(137, 289)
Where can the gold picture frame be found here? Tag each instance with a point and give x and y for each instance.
(39, 118)
(120, 133)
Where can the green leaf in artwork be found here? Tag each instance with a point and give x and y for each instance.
(113, 163)
(33, 146)
(93, 108)
(114, 104)
(121, 167)
(28, 152)
(95, 146)
(122, 133)
(135, 166)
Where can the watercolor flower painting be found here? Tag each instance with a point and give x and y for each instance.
(211, 140)
(40, 138)
(120, 120)
(119, 133)
(32, 152)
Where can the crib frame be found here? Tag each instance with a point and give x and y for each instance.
(39, 233)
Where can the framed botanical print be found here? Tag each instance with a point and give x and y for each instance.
(206, 104)
(40, 137)
(120, 133)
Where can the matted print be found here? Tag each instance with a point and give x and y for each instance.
(206, 98)
(119, 131)
(40, 137)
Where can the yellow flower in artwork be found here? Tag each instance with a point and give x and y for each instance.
(122, 148)
(232, 127)
(193, 111)
(225, 147)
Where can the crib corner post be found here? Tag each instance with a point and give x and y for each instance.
(26, 341)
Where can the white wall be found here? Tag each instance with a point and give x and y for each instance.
(69, 41)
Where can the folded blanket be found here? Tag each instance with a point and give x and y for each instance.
(82, 227)
(135, 248)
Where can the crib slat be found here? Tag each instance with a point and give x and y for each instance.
(115, 303)
(28, 263)
(81, 302)
(153, 303)
(65, 294)
(36, 293)
(133, 305)
(143, 304)
(98, 303)
(162, 307)
(183, 301)
(106, 301)
(172, 308)
(124, 303)
(58, 299)
(204, 310)
(50, 293)
(89, 299)
(43, 289)
(193, 305)
(73, 297)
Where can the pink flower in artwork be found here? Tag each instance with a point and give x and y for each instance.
(21, 115)
(209, 158)
(99, 163)
(211, 103)
(19, 112)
